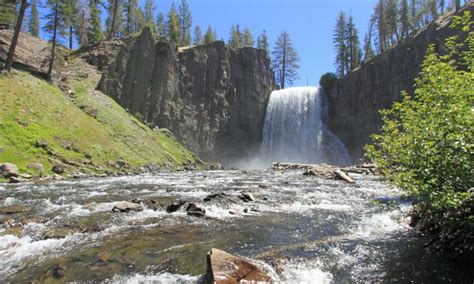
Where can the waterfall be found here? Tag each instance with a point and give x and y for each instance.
(294, 129)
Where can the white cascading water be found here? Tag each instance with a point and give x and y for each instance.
(294, 129)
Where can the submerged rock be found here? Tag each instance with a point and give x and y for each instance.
(223, 267)
(215, 196)
(126, 206)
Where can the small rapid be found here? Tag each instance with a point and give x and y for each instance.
(302, 228)
(295, 131)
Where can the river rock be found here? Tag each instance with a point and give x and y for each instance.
(223, 267)
(175, 206)
(246, 197)
(214, 196)
(35, 167)
(58, 169)
(193, 210)
(126, 206)
(9, 170)
(13, 209)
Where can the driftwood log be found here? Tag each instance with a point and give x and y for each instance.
(330, 172)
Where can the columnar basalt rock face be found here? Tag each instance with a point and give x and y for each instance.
(357, 98)
(211, 97)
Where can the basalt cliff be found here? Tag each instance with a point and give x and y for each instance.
(356, 99)
(213, 98)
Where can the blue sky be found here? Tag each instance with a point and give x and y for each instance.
(310, 24)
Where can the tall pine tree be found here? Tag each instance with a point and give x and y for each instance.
(160, 26)
(55, 27)
(262, 42)
(247, 38)
(172, 26)
(33, 23)
(353, 45)
(197, 35)
(149, 15)
(70, 12)
(285, 60)
(185, 23)
(339, 41)
(94, 33)
(210, 35)
(130, 9)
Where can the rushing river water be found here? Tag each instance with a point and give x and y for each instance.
(299, 228)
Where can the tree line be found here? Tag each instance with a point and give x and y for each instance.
(79, 21)
(392, 22)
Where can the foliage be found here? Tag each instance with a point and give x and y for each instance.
(7, 12)
(285, 60)
(94, 33)
(327, 81)
(247, 38)
(234, 37)
(262, 42)
(197, 35)
(173, 25)
(210, 36)
(185, 23)
(149, 15)
(33, 23)
(426, 145)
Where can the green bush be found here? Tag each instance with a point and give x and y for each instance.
(426, 143)
(327, 81)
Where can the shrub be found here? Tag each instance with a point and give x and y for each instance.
(328, 81)
(426, 143)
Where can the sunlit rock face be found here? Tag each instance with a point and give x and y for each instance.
(213, 98)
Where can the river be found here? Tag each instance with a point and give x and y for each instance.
(299, 228)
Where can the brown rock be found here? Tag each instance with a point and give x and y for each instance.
(126, 206)
(13, 209)
(9, 170)
(36, 167)
(226, 268)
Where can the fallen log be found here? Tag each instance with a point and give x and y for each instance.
(342, 175)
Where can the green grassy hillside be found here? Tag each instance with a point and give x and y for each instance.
(81, 130)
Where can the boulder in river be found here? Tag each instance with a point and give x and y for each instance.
(193, 210)
(175, 206)
(246, 197)
(214, 196)
(126, 206)
(223, 267)
(9, 170)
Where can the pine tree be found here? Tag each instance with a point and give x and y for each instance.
(262, 42)
(381, 26)
(33, 23)
(173, 25)
(285, 60)
(149, 14)
(81, 28)
(185, 23)
(339, 41)
(56, 27)
(247, 39)
(210, 35)
(353, 45)
(391, 20)
(114, 20)
(139, 20)
(234, 38)
(197, 35)
(160, 26)
(8, 13)
(433, 9)
(16, 35)
(369, 52)
(130, 10)
(70, 11)
(94, 33)
(404, 20)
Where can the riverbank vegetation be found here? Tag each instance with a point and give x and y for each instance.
(426, 144)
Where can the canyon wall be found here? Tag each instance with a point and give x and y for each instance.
(213, 98)
(357, 98)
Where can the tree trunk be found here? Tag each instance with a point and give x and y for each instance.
(114, 19)
(70, 37)
(16, 35)
(283, 67)
(53, 49)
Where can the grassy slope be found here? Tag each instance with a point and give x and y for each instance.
(92, 123)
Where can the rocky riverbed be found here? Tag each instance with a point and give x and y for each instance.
(159, 227)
